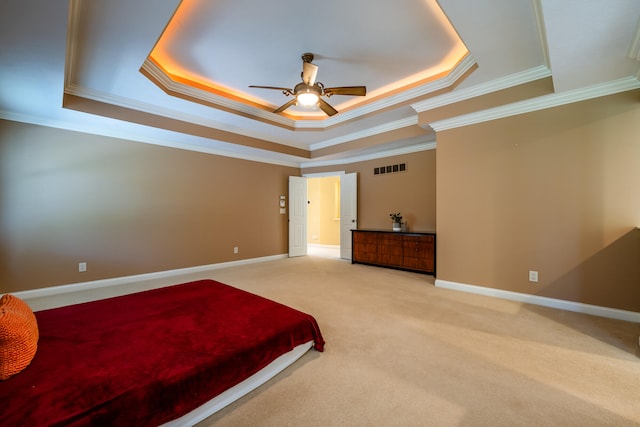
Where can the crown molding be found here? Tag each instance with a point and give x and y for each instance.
(539, 103)
(542, 30)
(506, 82)
(375, 130)
(431, 145)
(164, 139)
(467, 63)
(634, 48)
(170, 86)
(76, 90)
(162, 79)
(73, 23)
(152, 109)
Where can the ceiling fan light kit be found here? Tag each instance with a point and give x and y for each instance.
(307, 99)
(306, 95)
(309, 93)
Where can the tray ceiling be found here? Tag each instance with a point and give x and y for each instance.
(177, 73)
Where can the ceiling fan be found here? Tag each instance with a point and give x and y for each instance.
(310, 92)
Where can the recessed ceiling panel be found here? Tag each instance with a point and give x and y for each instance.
(225, 46)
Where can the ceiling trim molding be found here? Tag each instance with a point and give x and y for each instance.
(73, 23)
(82, 92)
(375, 130)
(634, 48)
(542, 30)
(431, 145)
(539, 103)
(79, 91)
(506, 82)
(118, 132)
(167, 141)
(158, 76)
(464, 66)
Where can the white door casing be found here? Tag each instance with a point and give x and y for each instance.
(297, 216)
(348, 211)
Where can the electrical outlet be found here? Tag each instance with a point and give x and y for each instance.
(533, 276)
(82, 267)
(235, 249)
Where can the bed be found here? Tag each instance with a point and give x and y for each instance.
(171, 355)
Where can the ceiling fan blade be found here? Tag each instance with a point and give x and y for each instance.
(309, 73)
(285, 106)
(346, 90)
(328, 109)
(284, 89)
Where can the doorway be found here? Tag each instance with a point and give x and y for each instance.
(323, 212)
(339, 211)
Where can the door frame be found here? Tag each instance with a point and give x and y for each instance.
(326, 174)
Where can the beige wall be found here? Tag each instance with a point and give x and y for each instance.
(557, 191)
(127, 208)
(323, 225)
(412, 193)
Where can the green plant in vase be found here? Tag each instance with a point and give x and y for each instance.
(396, 218)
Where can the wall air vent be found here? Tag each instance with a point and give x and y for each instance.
(401, 167)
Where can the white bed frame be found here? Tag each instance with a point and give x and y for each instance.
(245, 387)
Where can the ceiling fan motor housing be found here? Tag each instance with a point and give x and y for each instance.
(309, 92)
(317, 89)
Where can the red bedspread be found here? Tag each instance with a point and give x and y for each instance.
(150, 357)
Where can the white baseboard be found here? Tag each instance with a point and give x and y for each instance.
(58, 296)
(613, 313)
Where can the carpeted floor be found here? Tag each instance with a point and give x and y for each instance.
(401, 352)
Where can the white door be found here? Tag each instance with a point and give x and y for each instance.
(348, 211)
(297, 216)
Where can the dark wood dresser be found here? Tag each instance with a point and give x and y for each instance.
(402, 250)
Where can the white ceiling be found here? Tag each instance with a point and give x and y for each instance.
(59, 50)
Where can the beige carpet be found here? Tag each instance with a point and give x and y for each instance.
(401, 352)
